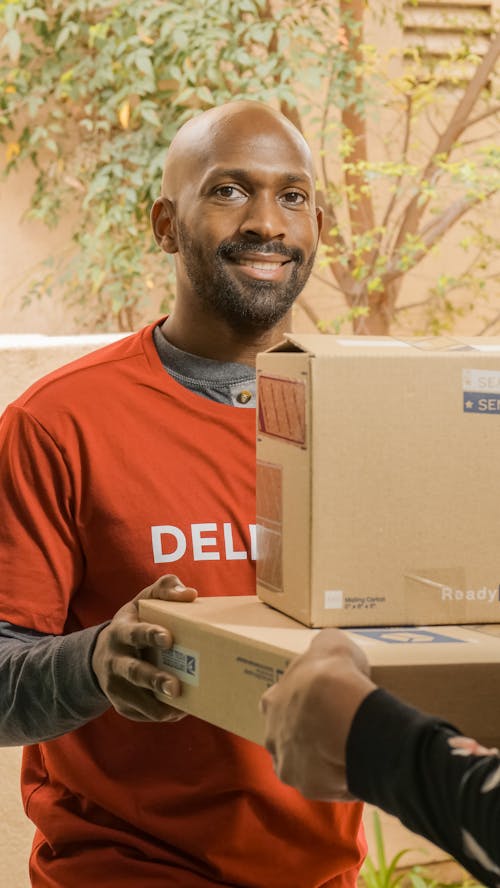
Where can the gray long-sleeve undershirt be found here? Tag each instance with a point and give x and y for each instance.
(47, 684)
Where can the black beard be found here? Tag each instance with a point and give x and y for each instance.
(253, 306)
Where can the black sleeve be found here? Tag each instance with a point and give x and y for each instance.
(47, 685)
(401, 760)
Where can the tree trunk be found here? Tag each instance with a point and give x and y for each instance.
(361, 212)
(377, 323)
(381, 305)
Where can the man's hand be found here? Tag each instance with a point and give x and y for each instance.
(309, 713)
(122, 655)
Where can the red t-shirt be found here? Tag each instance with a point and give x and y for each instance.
(114, 474)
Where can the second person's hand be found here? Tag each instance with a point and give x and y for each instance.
(309, 713)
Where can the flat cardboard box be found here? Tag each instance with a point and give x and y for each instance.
(227, 651)
(378, 480)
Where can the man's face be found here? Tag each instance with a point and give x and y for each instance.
(247, 226)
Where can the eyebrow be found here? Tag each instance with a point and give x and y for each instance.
(245, 175)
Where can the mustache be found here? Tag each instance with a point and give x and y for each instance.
(228, 249)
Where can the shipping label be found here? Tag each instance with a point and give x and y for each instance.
(282, 409)
(481, 391)
(336, 599)
(259, 671)
(183, 663)
(407, 635)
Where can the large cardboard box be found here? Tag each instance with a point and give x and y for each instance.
(378, 480)
(227, 651)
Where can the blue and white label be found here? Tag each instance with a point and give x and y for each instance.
(475, 402)
(484, 381)
(481, 391)
(407, 635)
(183, 663)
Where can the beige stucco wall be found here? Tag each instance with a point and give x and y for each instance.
(24, 245)
(23, 359)
(15, 830)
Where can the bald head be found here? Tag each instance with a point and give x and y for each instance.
(238, 212)
(201, 140)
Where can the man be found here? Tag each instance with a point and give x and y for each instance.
(334, 735)
(127, 465)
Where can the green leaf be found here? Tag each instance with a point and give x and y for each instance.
(205, 95)
(143, 63)
(150, 115)
(63, 35)
(12, 41)
(10, 11)
(180, 38)
(36, 13)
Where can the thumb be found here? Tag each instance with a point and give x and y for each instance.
(169, 588)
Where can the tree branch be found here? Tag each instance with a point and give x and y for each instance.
(397, 188)
(465, 142)
(289, 111)
(361, 213)
(411, 305)
(490, 324)
(406, 142)
(446, 141)
(488, 113)
(433, 232)
(326, 283)
(324, 121)
(306, 308)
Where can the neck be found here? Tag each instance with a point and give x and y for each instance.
(213, 338)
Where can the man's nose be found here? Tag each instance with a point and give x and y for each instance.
(263, 218)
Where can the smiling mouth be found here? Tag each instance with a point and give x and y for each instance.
(262, 265)
(271, 267)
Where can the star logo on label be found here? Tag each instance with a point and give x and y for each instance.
(469, 405)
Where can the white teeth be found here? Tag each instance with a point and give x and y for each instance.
(262, 266)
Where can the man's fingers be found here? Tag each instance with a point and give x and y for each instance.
(168, 588)
(152, 710)
(139, 704)
(141, 635)
(126, 659)
(142, 674)
(127, 632)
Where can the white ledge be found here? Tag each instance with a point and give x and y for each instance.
(40, 340)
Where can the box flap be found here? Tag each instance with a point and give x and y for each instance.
(320, 344)
(324, 345)
(311, 343)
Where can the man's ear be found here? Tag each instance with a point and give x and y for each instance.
(319, 220)
(163, 224)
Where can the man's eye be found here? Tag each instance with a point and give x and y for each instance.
(295, 198)
(228, 192)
